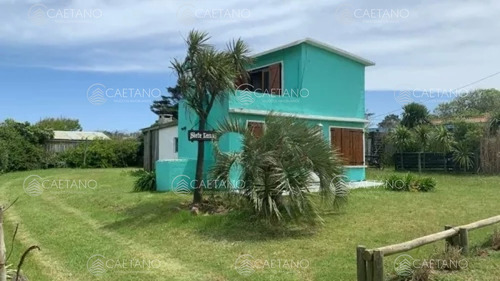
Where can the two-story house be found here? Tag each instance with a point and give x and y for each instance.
(306, 79)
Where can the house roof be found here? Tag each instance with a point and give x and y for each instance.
(76, 135)
(161, 126)
(473, 119)
(320, 45)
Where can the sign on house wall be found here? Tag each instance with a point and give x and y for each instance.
(195, 135)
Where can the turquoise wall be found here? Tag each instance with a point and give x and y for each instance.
(315, 82)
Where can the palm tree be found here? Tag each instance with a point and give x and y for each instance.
(444, 141)
(205, 76)
(494, 123)
(414, 114)
(401, 137)
(276, 168)
(463, 156)
(422, 135)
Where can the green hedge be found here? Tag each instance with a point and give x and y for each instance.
(103, 154)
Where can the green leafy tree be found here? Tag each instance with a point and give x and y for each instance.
(281, 161)
(390, 122)
(205, 76)
(415, 114)
(60, 124)
(22, 146)
(168, 104)
(473, 103)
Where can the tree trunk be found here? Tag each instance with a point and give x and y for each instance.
(3, 270)
(198, 191)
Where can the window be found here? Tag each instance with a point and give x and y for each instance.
(266, 79)
(256, 127)
(176, 145)
(349, 143)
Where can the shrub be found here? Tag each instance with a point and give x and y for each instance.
(146, 181)
(409, 182)
(21, 146)
(276, 169)
(102, 154)
(426, 184)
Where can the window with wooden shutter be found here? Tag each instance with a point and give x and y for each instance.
(257, 128)
(267, 79)
(349, 143)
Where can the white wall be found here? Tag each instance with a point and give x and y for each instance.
(166, 143)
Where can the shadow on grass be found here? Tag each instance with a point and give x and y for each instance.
(150, 214)
(240, 226)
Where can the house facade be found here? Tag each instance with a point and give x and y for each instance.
(305, 79)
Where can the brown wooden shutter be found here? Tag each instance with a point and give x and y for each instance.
(275, 79)
(349, 143)
(356, 147)
(257, 128)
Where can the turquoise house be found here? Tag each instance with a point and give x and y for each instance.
(306, 79)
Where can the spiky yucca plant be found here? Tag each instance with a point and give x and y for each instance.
(276, 168)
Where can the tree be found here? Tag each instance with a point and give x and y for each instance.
(281, 161)
(421, 136)
(401, 137)
(414, 114)
(168, 104)
(473, 103)
(390, 122)
(205, 76)
(444, 141)
(60, 124)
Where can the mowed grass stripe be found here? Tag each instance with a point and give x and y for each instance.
(52, 269)
(71, 241)
(171, 267)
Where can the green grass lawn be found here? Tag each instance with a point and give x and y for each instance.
(144, 236)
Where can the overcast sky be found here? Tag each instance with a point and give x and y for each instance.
(416, 44)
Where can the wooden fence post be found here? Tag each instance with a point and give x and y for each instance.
(368, 256)
(378, 266)
(464, 240)
(3, 270)
(361, 263)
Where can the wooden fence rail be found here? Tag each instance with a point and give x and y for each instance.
(370, 262)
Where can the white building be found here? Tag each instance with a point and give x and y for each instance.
(160, 141)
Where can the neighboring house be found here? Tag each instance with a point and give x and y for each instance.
(64, 140)
(160, 141)
(306, 79)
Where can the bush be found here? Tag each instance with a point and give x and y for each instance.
(146, 181)
(102, 154)
(409, 182)
(21, 146)
(426, 184)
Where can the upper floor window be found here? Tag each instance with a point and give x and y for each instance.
(266, 79)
